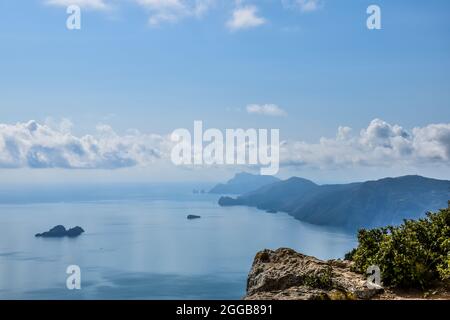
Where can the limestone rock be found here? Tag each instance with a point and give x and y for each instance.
(289, 275)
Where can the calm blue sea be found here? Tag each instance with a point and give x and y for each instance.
(142, 246)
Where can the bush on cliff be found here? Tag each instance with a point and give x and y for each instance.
(413, 254)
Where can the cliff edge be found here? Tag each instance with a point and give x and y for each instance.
(285, 274)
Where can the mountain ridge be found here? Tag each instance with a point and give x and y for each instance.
(355, 205)
(243, 182)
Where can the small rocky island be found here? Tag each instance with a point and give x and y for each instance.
(193, 217)
(60, 232)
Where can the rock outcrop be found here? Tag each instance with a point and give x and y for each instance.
(284, 274)
(60, 231)
(229, 202)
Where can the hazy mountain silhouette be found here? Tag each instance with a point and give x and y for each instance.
(243, 182)
(354, 205)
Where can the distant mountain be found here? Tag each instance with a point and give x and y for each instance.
(355, 205)
(242, 183)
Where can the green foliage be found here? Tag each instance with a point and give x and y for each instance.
(349, 255)
(413, 254)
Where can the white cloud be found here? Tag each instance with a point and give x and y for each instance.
(433, 141)
(303, 5)
(266, 109)
(173, 10)
(88, 4)
(160, 10)
(379, 145)
(244, 18)
(39, 146)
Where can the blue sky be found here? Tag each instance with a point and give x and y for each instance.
(322, 66)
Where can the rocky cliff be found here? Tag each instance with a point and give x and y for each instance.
(284, 274)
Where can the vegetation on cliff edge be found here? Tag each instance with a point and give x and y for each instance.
(413, 254)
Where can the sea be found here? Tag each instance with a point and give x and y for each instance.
(139, 244)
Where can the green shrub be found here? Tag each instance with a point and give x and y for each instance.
(413, 254)
(350, 255)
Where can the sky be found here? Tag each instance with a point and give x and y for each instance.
(139, 69)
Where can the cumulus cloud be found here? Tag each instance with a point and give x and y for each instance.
(266, 109)
(39, 146)
(380, 144)
(245, 17)
(173, 10)
(303, 5)
(88, 4)
(433, 142)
